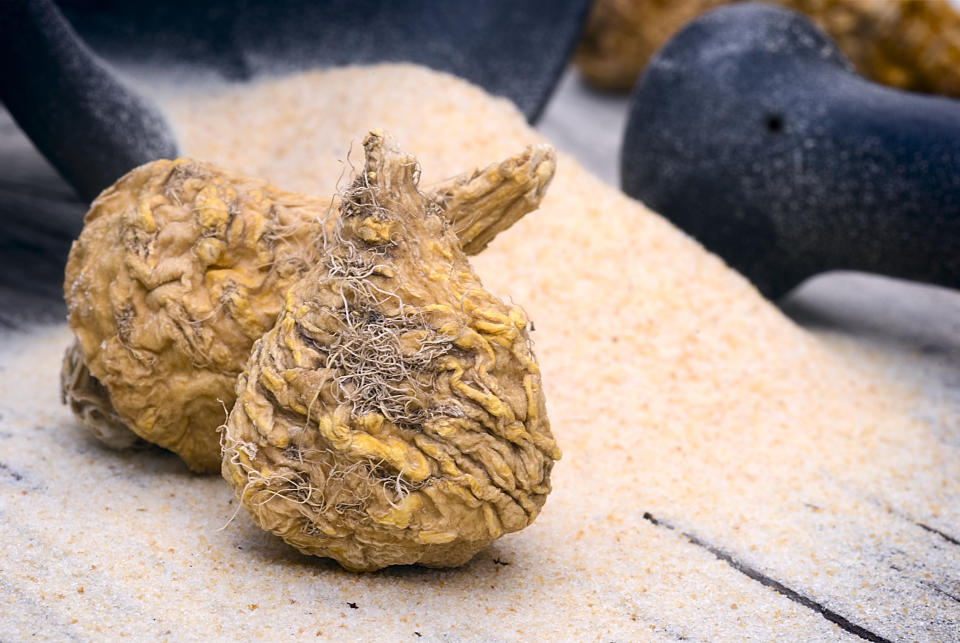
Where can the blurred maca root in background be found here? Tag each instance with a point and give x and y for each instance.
(909, 44)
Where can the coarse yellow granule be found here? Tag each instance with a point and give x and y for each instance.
(673, 388)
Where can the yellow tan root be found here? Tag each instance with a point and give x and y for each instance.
(486, 202)
(182, 265)
(394, 414)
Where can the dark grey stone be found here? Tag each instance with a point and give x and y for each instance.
(751, 132)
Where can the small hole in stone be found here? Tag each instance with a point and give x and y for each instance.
(774, 123)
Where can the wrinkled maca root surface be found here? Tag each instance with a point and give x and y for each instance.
(394, 415)
(182, 265)
(909, 44)
(173, 277)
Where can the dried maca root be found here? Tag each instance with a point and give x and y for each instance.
(394, 415)
(181, 266)
(910, 44)
(175, 274)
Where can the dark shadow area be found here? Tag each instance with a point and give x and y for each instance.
(41, 217)
(142, 460)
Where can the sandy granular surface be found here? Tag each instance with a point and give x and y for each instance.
(704, 435)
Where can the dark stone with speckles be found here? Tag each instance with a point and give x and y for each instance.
(750, 131)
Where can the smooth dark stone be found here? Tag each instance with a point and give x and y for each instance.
(751, 132)
(91, 126)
